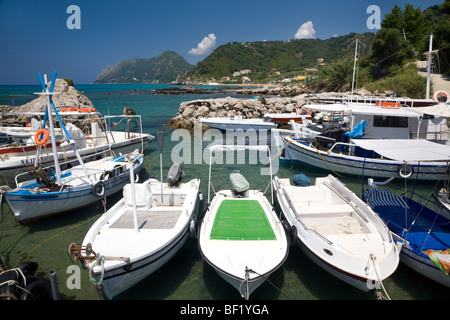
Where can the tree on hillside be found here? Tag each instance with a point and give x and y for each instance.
(445, 7)
(389, 51)
(402, 36)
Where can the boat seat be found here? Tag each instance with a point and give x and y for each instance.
(143, 195)
(304, 208)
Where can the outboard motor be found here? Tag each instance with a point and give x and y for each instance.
(239, 183)
(175, 175)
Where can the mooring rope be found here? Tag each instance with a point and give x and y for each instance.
(247, 276)
(379, 295)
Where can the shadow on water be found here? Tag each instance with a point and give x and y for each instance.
(417, 286)
(316, 283)
(164, 282)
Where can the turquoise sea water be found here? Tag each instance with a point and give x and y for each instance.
(186, 276)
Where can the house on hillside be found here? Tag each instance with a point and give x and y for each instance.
(246, 80)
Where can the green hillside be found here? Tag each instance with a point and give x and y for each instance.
(272, 60)
(161, 69)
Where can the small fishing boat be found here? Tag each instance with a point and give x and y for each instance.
(54, 191)
(284, 118)
(140, 233)
(240, 235)
(338, 231)
(16, 157)
(237, 122)
(421, 232)
(381, 158)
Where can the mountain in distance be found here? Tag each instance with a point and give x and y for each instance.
(160, 69)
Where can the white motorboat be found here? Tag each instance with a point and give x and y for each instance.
(237, 122)
(338, 231)
(240, 235)
(139, 234)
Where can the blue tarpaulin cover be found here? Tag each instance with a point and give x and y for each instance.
(300, 180)
(358, 131)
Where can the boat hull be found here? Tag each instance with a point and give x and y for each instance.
(28, 207)
(420, 263)
(301, 154)
(12, 166)
(238, 124)
(118, 280)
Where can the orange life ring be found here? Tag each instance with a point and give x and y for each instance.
(37, 136)
(441, 93)
(309, 111)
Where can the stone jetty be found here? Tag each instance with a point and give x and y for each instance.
(190, 112)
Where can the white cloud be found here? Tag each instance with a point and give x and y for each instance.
(306, 31)
(204, 46)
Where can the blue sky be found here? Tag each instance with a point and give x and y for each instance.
(35, 38)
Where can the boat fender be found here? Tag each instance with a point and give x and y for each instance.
(193, 229)
(136, 176)
(291, 232)
(28, 267)
(37, 137)
(37, 290)
(106, 175)
(203, 212)
(437, 94)
(118, 169)
(405, 171)
(98, 189)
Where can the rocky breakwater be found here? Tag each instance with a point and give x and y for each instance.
(68, 97)
(190, 112)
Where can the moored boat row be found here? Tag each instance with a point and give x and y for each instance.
(239, 232)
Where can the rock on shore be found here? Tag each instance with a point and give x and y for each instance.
(192, 111)
(68, 97)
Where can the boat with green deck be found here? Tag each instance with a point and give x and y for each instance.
(240, 235)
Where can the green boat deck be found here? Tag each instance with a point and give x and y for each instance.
(241, 219)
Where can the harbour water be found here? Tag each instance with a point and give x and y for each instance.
(186, 276)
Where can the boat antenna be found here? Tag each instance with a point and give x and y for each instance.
(356, 59)
(160, 139)
(429, 53)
